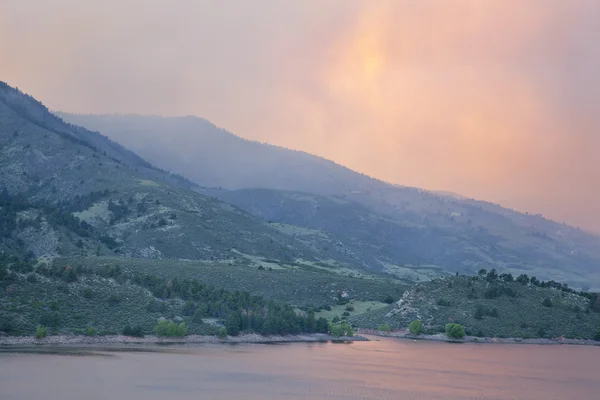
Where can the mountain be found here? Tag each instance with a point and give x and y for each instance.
(94, 238)
(405, 228)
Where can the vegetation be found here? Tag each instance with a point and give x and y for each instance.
(136, 331)
(384, 328)
(341, 329)
(455, 331)
(41, 332)
(415, 327)
(512, 307)
(166, 328)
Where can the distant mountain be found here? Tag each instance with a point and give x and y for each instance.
(68, 191)
(424, 228)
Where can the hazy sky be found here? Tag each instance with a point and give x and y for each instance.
(493, 99)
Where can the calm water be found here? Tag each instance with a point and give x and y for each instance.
(387, 369)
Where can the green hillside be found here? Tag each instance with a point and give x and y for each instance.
(92, 236)
(492, 305)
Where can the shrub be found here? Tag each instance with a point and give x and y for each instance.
(170, 329)
(342, 329)
(136, 331)
(41, 332)
(547, 302)
(223, 333)
(597, 336)
(87, 293)
(349, 308)
(415, 327)
(388, 299)
(90, 331)
(345, 314)
(541, 333)
(455, 331)
(443, 303)
(384, 328)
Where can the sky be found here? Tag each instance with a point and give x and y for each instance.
(493, 99)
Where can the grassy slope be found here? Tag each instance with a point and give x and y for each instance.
(293, 285)
(520, 316)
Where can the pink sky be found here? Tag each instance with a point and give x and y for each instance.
(495, 100)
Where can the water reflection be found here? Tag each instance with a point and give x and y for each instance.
(386, 369)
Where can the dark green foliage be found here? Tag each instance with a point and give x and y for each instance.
(443, 303)
(523, 279)
(384, 328)
(349, 308)
(136, 331)
(481, 311)
(388, 299)
(597, 336)
(547, 302)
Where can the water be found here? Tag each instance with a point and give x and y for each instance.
(387, 369)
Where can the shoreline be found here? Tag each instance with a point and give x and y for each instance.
(440, 337)
(190, 339)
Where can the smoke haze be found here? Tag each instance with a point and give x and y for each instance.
(491, 99)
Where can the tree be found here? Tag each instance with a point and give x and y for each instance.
(342, 329)
(222, 333)
(479, 312)
(492, 276)
(597, 336)
(547, 302)
(455, 331)
(384, 328)
(482, 272)
(523, 279)
(415, 327)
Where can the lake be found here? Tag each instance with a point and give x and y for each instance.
(391, 369)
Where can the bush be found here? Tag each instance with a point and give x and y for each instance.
(342, 329)
(388, 299)
(136, 331)
(384, 328)
(415, 327)
(547, 302)
(349, 308)
(166, 328)
(597, 337)
(455, 331)
(223, 333)
(443, 303)
(41, 332)
(90, 331)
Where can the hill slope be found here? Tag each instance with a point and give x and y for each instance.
(493, 307)
(474, 234)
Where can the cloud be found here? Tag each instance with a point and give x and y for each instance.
(491, 99)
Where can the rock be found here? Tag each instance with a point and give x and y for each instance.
(178, 319)
(161, 319)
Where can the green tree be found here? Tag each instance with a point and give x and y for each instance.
(341, 329)
(415, 327)
(455, 331)
(41, 332)
(597, 336)
(384, 328)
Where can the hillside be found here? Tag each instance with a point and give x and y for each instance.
(492, 305)
(93, 236)
(452, 233)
